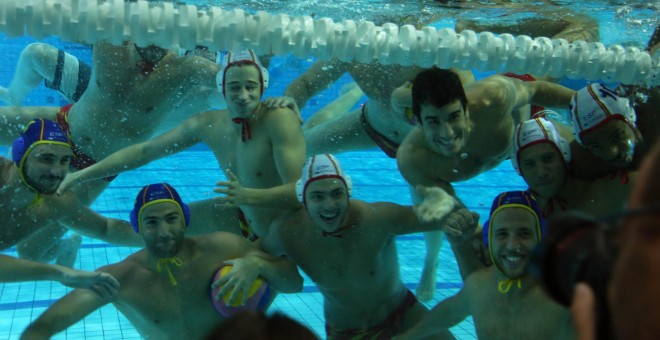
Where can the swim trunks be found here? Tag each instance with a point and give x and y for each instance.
(535, 109)
(389, 147)
(246, 230)
(385, 330)
(80, 160)
(71, 76)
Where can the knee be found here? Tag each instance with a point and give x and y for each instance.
(28, 252)
(39, 51)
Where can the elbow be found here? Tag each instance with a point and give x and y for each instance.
(299, 284)
(296, 285)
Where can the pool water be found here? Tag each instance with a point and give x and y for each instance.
(194, 172)
(375, 178)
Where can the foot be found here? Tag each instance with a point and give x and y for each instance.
(426, 286)
(69, 251)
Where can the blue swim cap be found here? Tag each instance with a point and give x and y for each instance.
(37, 132)
(514, 199)
(157, 193)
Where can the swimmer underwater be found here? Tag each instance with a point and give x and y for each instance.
(41, 157)
(505, 300)
(165, 287)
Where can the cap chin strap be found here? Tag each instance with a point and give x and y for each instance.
(504, 286)
(166, 263)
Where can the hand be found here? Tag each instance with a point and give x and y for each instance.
(401, 98)
(460, 225)
(235, 193)
(239, 279)
(104, 284)
(435, 206)
(284, 101)
(70, 180)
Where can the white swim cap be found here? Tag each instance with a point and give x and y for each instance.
(231, 59)
(536, 131)
(596, 104)
(320, 167)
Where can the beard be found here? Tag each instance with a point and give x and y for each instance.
(42, 188)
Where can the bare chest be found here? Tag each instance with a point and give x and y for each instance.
(252, 162)
(534, 318)
(183, 309)
(339, 264)
(464, 166)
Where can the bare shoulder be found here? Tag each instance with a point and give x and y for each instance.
(385, 218)
(281, 116)
(617, 185)
(288, 224)
(219, 240)
(376, 212)
(416, 162)
(489, 90)
(478, 281)
(412, 148)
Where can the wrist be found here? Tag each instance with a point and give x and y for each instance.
(251, 196)
(56, 272)
(256, 262)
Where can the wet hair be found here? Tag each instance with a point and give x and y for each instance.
(436, 87)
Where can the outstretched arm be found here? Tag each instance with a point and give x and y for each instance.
(548, 94)
(65, 312)
(505, 94)
(444, 315)
(134, 156)
(318, 77)
(14, 269)
(435, 206)
(86, 221)
(413, 166)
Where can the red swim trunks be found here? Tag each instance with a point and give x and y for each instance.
(389, 147)
(80, 160)
(385, 330)
(246, 230)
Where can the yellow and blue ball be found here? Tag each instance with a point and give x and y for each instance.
(258, 295)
